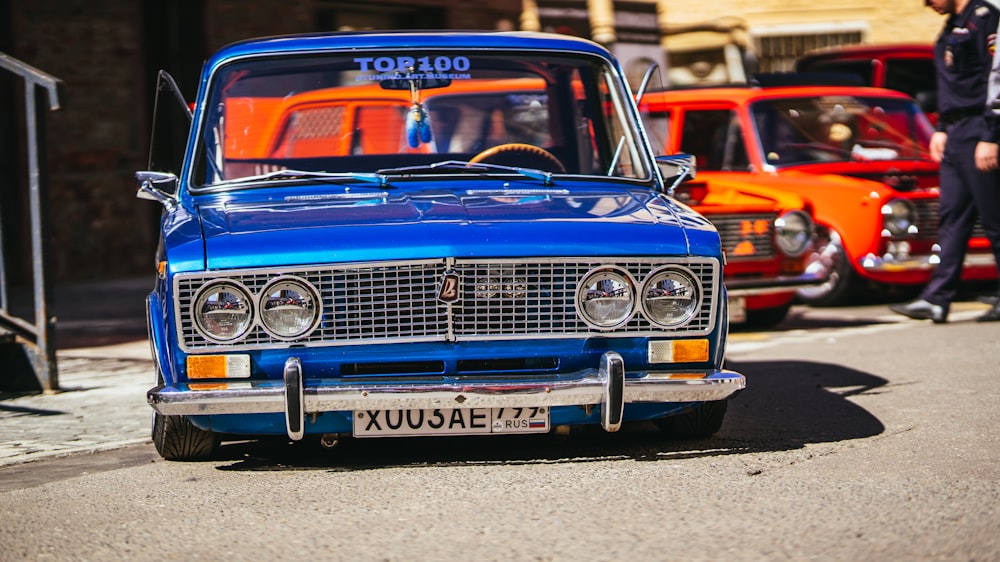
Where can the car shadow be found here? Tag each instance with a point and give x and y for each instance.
(787, 405)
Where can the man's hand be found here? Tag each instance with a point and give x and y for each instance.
(938, 140)
(986, 156)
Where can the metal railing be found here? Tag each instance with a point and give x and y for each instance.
(36, 338)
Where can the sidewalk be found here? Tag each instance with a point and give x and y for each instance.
(105, 369)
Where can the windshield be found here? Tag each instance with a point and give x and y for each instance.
(357, 113)
(811, 130)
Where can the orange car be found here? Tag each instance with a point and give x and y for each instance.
(857, 154)
(767, 234)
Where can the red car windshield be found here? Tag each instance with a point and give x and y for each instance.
(808, 130)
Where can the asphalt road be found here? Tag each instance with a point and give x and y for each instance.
(860, 436)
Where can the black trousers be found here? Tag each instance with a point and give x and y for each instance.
(966, 194)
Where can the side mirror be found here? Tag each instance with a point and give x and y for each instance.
(676, 169)
(156, 186)
(927, 101)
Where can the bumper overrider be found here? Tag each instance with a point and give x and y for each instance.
(606, 386)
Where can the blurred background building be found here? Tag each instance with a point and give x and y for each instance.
(108, 52)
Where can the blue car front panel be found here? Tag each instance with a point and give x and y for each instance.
(293, 291)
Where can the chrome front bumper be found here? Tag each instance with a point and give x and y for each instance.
(871, 262)
(748, 287)
(605, 386)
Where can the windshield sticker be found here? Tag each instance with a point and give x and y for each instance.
(375, 69)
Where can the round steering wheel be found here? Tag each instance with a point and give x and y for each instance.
(521, 155)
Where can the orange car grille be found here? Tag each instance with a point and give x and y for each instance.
(746, 236)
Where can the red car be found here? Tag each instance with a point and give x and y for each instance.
(908, 68)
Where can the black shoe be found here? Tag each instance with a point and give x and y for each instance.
(989, 299)
(922, 310)
(992, 315)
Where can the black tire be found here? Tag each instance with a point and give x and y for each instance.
(177, 439)
(766, 317)
(841, 285)
(701, 422)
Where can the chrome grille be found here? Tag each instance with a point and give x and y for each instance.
(928, 220)
(398, 301)
(755, 228)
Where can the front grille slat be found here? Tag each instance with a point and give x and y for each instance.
(739, 230)
(928, 220)
(396, 302)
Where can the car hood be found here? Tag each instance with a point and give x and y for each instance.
(337, 227)
(901, 175)
(720, 194)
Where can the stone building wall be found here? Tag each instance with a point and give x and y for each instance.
(96, 139)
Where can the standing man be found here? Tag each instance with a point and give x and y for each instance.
(965, 144)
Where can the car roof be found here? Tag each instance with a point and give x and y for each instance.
(741, 95)
(855, 52)
(406, 42)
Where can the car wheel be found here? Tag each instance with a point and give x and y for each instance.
(698, 423)
(177, 439)
(766, 317)
(831, 259)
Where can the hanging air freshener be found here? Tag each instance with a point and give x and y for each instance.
(418, 121)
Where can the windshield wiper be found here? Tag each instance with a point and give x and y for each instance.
(475, 167)
(377, 178)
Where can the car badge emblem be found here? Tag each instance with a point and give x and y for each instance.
(448, 292)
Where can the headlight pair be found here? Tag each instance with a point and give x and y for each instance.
(224, 311)
(607, 297)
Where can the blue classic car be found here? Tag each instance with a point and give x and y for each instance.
(405, 234)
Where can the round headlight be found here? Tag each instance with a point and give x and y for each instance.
(899, 217)
(793, 232)
(222, 311)
(671, 297)
(289, 307)
(606, 298)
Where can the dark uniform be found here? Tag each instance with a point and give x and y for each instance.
(963, 58)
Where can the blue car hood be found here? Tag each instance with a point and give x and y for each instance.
(317, 228)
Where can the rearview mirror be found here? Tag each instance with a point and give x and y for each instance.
(676, 169)
(156, 186)
(927, 101)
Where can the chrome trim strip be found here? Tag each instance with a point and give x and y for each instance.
(587, 387)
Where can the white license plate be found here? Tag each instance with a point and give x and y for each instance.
(469, 421)
(737, 309)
